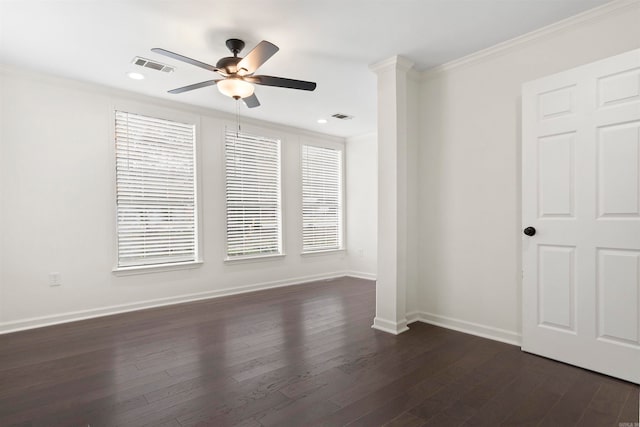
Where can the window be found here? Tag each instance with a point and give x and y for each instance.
(321, 199)
(252, 166)
(155, 191)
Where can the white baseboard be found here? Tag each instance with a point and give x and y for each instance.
(389, 326)
(362, 275)
(472, 328)
(55, 319)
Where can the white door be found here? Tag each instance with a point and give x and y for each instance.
(581, 194)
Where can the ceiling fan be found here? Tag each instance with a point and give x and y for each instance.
(238, 73)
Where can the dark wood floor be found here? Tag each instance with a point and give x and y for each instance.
(296, 356)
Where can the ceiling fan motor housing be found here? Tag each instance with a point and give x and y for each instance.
(229, 64)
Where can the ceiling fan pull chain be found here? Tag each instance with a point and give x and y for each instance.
(238, 118)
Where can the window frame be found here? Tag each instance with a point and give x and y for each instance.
(343, 208)
(258, 132)
(170, 115)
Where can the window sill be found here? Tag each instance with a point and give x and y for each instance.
(322, 252)
(257, 258)
(144, 269)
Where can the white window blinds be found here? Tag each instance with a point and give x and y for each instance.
(321, 199)
(155, 191)
(252, 167)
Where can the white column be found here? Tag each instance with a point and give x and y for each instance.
(391, 286)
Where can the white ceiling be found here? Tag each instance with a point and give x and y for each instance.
(331, 42)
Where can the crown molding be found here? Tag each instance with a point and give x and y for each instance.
(615, 6)
(397, 61)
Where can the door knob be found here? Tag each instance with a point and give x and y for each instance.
(529, 231)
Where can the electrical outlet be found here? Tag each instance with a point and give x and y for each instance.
(55, 279)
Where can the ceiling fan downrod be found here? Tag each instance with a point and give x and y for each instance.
(235, 46)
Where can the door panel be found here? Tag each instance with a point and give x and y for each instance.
(618, 164)
(618, 293)
(619, 88)
(557, 103)
(581, 192)
(556, 174)
(556, 283)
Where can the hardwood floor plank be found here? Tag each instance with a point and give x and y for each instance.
(569, 408)
(540, 401)
(76, 392)
(502, 405)
(405, 420)
(455, 404)
(234, 413)
(300, 355)
(359, 403)
(607, 404)
(630, 412)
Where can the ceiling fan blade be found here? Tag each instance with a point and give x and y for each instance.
(251, 101)
(281, 82)
(184, 59)
(194, 86)
(258, 56)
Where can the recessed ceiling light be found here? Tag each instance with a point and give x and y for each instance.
(322, 121)
(135, 76)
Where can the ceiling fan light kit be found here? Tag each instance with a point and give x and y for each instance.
(235, 88)
(237, 73)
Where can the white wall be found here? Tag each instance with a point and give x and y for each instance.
(469, 168)
(57, 211)
(362, 204)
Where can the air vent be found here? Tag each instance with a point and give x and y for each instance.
(341, 116)
(147, 63)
